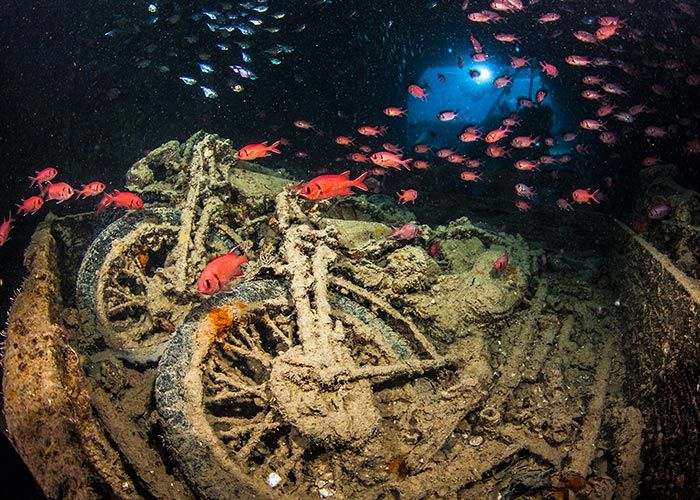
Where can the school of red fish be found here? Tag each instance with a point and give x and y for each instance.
(602, 80)
(61, 192)
(613, 119)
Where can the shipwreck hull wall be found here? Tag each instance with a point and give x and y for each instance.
(46, 405)
(662, 308)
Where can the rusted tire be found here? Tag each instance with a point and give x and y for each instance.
(235, 426)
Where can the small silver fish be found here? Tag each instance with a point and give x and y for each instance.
(243, 72)
(205, 68)
(209, 93)
(659, 211)
(245, 30)
(188, 81)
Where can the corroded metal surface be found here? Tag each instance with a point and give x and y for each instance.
(662, 306)
(345, 363)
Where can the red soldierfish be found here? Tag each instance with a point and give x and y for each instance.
(329, 186)
(475, 43)
(417, 92)
(506, 37)
(502, 81)
(344, 140)
(522, 205)
(656, 132)
(434, 248)
(219, 272)
(386, 159)
(358, 157)
(395, 111)
(125, 199)
(500, 263)
(549, 17)
(43, 176)
(446, 116)
(496, 151)
(592, 124)
(60, 191)
(392, 148)
(519, 62)
(470, 134)
(484, 16)
(470, 176)
(608, 137)
(585, 36)
(563, 204)
(405, 232)
(575, 60)
(527, 165)
(525, 191)
(524, 141)
(549, 69)
(91, 189)
(497, 135)
(303, 124)
(421, 164)
(5, 228)
(457, 158)
(407, 195)
(585, 196)
(31, 205)
(253, 151)
(511, 121)
(372, 131)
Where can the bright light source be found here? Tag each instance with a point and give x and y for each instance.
(484, 74)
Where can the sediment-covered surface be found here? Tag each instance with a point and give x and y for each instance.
(345, 363)
(677, 234)
(662, 309)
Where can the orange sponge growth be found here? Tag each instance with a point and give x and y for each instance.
(221, 320)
